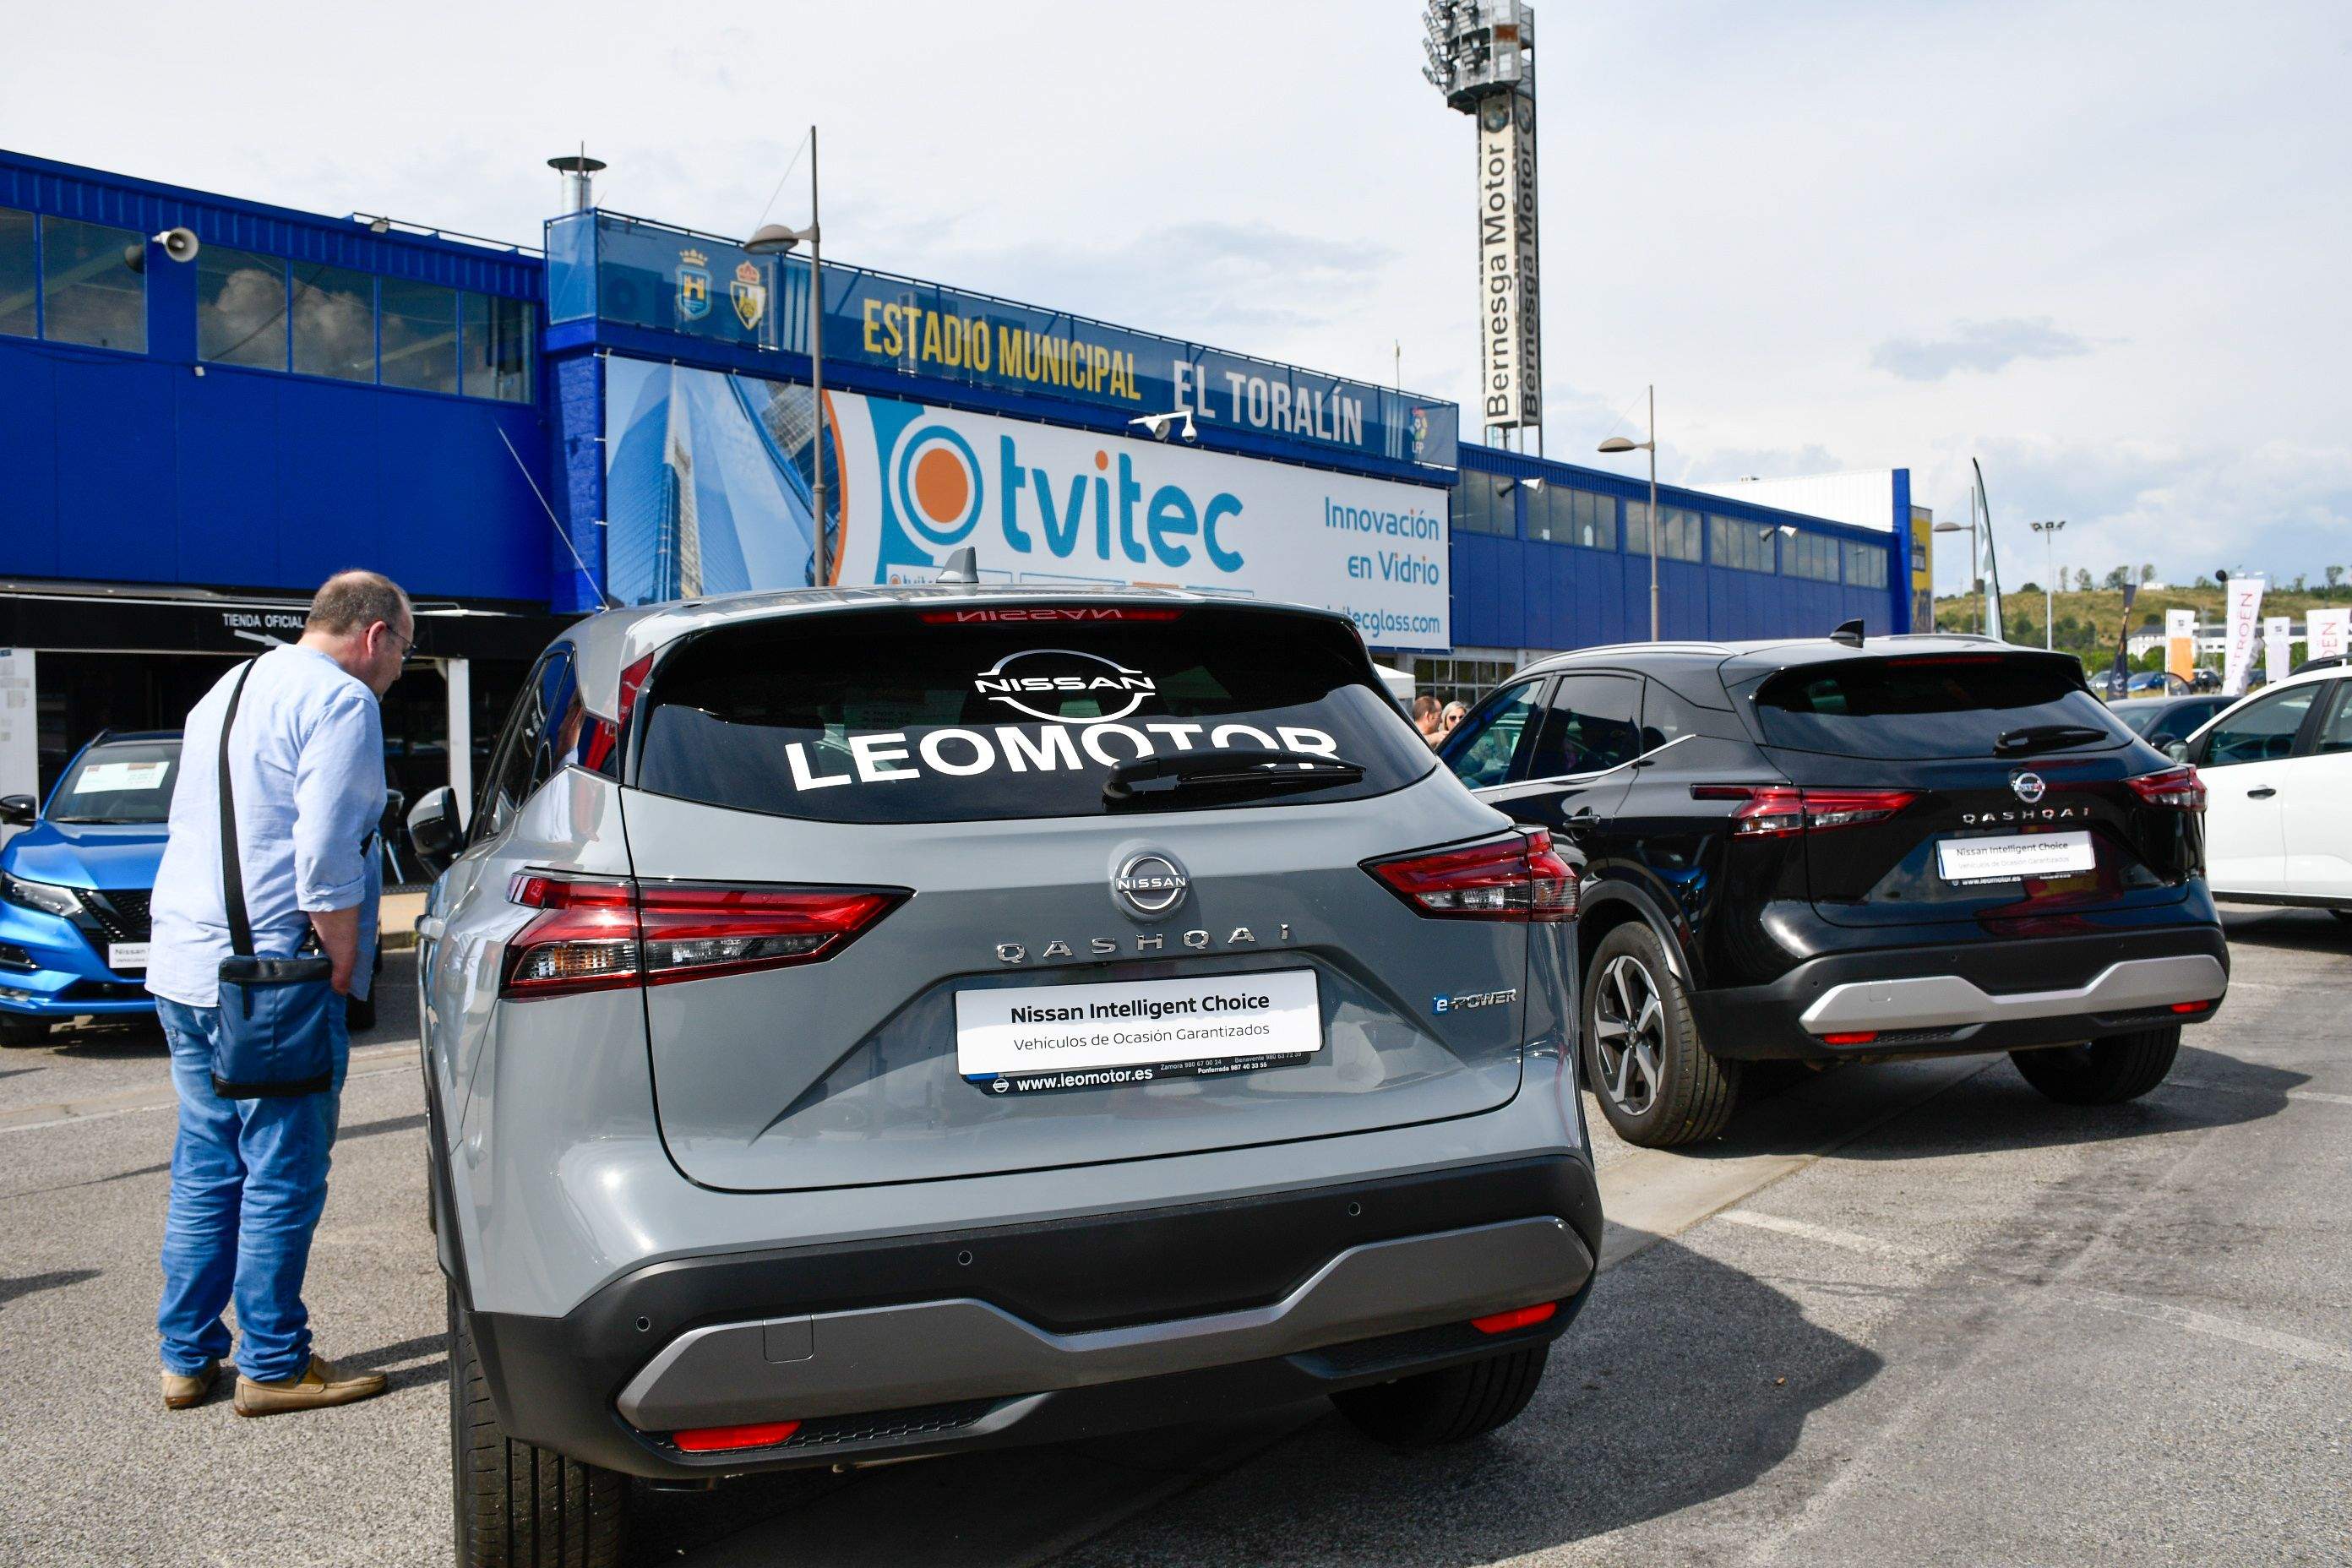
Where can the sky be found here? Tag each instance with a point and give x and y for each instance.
(2102, 249)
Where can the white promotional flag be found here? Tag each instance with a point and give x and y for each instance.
(2245, 617)
(2329, 631)
(2276, 631)
(2180, 642)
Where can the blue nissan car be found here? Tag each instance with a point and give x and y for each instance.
(74, 887)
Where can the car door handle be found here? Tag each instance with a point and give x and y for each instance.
(2263, 794)
(429, 927)
(1581, 811)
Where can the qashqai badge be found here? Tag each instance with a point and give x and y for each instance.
(1150, 884)
(2029, 787)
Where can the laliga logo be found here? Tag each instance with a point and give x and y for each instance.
(936, 482)
(1064, 671)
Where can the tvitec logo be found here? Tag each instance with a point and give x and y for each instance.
(942, 491)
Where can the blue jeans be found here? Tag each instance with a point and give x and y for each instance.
(248, 1181)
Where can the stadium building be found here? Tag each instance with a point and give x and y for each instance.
(520, 435)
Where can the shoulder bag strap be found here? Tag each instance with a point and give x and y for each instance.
(240, 926)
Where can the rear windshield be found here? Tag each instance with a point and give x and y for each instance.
(123, 781)
(1945, 706)
(993, 712)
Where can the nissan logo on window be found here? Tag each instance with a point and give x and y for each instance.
(1150, 884)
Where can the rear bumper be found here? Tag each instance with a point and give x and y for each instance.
(1037, 1333)
(1962, 999)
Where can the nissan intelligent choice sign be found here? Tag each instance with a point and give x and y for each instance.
(1044, 504)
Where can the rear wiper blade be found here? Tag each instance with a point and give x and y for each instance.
(2038, 737)
(1243, 770)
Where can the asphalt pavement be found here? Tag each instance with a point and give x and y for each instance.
(1909, 1314)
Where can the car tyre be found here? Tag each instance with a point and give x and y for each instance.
(1658, 1085)
(517, 1506)
(1432, 1408)
(2102, 1073)
(16, 1032)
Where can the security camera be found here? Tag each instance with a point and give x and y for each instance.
(1159, 424)
(1190, 434)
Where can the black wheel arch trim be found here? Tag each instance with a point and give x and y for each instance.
(1616, 891)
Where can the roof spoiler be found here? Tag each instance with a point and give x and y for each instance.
(1848, 633)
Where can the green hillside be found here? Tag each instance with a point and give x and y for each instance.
(2088, 623)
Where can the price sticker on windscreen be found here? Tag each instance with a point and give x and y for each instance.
(110, 778)
(2007, 857)
(1028, 1037)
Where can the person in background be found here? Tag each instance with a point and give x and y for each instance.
(249, 1176)
(1454, 713)
(1424, 717)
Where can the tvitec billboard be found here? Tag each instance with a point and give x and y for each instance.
(706, 486)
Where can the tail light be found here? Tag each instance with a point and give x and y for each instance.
(1519, 876)
(597, 933)
(1774, 810)
(2178, 788)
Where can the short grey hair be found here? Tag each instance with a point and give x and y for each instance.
(353, 601)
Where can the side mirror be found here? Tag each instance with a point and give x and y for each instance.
(2176, 749)
(18, 811)
(432, 830)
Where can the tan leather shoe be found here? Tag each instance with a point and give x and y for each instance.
(182, 1390)
(320, 1386)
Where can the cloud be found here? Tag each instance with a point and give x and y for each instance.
(1984, 346)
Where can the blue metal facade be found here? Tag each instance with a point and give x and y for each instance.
(1515, 591)
(159, 468)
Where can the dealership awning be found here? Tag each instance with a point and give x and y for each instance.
(103, 618)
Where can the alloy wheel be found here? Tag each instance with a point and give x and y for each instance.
(1629, 1038)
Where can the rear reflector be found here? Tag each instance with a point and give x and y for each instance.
(596, 933)
(2193, 1006)
(1519, 876)
(1774, 810)
(1517, 1317)
(2178, 788)
(718, 1440)
(1860, 1038)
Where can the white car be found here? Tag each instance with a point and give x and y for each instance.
(2277, 767)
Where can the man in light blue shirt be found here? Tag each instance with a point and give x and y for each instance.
(249, 1176)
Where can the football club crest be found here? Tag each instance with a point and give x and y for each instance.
(749, 291)
(693, 284)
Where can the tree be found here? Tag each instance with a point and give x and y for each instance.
(2203, 581)
(2081, 579)
(2029, 588)
(2148, 572)
(2300, 578)
(2117, 577)
(2334, 578)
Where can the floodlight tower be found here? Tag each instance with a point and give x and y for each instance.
(1481, 58)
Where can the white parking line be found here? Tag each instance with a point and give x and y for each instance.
(2289, 1345)
(2317, 1095)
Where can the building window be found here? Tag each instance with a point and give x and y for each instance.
(420, 336)
(1813, 555)
(498, 347)
(335, 322)
(240, 307)
(1477, 509)
(1566, 516)
(1681, 534)
(1462, 681)
(93, 285)
(20, 275)
(1742, 545)
(1866, 564)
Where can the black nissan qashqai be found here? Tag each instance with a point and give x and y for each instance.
(1833, 850)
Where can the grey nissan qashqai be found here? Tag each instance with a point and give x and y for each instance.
(872, 1024)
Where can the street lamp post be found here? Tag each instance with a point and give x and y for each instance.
(1976, 584)
(1620, 444)
(2048, 532)
(775, 239)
